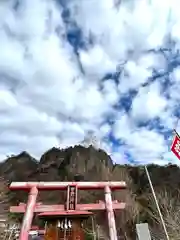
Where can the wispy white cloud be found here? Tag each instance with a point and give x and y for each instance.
(123, 76)
(148, 103)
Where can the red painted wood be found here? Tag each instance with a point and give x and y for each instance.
(80, 207)
(64, 185)
(32, 207)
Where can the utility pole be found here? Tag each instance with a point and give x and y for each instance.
(157, 205)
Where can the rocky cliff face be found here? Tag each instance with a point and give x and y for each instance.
(18, 168)
(87, 164)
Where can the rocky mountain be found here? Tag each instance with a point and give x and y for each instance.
(87, 164)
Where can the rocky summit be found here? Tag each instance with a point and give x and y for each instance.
(89, 164)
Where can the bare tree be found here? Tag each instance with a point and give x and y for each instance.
(170, 207)
(128, 217)
(3, 191)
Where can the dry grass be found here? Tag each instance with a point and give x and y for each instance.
(169, 205)
(170, 208)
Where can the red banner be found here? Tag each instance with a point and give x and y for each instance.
(175, 148)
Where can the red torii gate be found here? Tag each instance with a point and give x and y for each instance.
(71, 204)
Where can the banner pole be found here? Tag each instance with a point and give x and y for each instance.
(157, 204)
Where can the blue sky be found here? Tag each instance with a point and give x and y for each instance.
(106, 71)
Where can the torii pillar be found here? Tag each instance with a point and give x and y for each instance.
(32, 207)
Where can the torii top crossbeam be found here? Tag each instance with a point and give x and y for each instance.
(71, 203)
(64, 185)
